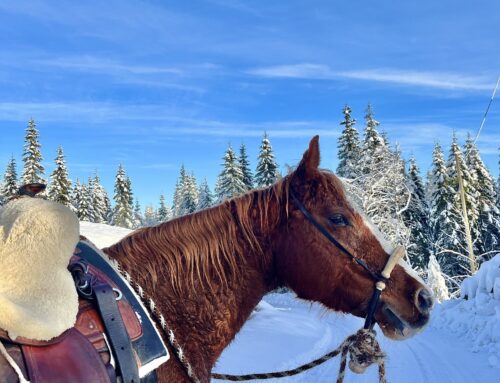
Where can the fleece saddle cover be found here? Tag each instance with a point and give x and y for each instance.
(82, 354)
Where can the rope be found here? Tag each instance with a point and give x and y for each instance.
(363, 350)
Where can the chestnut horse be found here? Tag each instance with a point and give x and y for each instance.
(208, 270)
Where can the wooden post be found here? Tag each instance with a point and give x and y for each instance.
(472, 259)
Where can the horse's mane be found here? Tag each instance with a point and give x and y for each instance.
(209, 245)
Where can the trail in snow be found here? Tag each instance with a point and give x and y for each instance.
(291, 332)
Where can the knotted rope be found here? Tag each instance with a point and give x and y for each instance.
(363, 350)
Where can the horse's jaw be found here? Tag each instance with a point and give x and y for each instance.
(395, 327)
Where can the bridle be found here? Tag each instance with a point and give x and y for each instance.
(379, 278)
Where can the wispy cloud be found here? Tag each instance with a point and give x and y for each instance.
(440, 80)
(106, 66)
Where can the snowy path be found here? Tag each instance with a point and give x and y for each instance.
(291, 332)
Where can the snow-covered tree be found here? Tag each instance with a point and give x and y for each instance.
(178, 193)
(416, 218)
(267, 171)
(150, 216)
(189, 198)
(382, 192)
(245, 168)
(60, 185)
(32, 157)
(9, 186)
(488, 220)
(436, 281)
(80, 201)
(445, 218)
(163, 214)
(374, 147)
(205, 199)
(122, 212)
(349, 153)
(138, 218)
(231, 178)
(100, 202)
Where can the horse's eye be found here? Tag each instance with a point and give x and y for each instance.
(338, 220)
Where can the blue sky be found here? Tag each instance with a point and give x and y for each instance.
(154, 84)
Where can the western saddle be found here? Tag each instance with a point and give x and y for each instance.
(113, 340)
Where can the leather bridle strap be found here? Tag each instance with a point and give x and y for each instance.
(331, 238)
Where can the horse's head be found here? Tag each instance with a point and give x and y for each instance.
(316, 269)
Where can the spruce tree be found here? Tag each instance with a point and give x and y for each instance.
(374, 145)
(417, 219)
(100, 202)
(32, 157)
(80, 201)
(266, 173)
(150, 216)
(231, 178)
(178, 193)
(122, 212)
(9, 186)
(60, 185)
(138, 218)
(349, 153)
(205, 199)
(445, 218)
(189, 196)
(245, 168)
(163, 214)
(488, 220)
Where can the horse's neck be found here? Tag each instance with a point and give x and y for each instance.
(204, 322)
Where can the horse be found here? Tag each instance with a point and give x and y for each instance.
(207, 271)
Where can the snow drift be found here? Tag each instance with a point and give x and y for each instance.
(476, 315)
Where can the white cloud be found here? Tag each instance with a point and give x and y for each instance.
(439, 80)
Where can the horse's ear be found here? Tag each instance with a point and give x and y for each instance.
(310, 160)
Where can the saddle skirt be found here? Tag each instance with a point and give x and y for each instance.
(83, 353)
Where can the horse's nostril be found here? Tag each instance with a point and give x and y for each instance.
(424, 300)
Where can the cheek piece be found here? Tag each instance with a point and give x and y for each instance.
(380, 278)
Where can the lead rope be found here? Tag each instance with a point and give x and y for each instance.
(363, 350)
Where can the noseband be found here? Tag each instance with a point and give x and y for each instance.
(380, 278)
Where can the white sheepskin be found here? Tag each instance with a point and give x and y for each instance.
(38, 299)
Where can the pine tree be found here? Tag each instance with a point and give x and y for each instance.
(471, 195)
(445, 218)
(374, 145)
(205, 199)
(138, 218)
(178, 193)
(488, 220)
(9, 186)
(348, 147)
(122, 212)
(245, 168)
(150, 216)
(189, 196)
(163, 214)
(417, 219)
(266, 173)
(60, 185)
(32, 157)
(80, 201)
(231, 178)
(91, 199)
(100, 202)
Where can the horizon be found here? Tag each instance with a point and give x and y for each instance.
(154, 85)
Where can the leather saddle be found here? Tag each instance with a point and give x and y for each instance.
(88, 352)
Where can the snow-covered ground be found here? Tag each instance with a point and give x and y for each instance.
(461, 344)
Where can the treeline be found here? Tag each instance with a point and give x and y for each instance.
(423, 215)
(91, 202)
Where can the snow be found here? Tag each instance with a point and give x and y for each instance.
(460, 345)
(477, 318)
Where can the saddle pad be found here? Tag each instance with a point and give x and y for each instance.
(150, 348)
